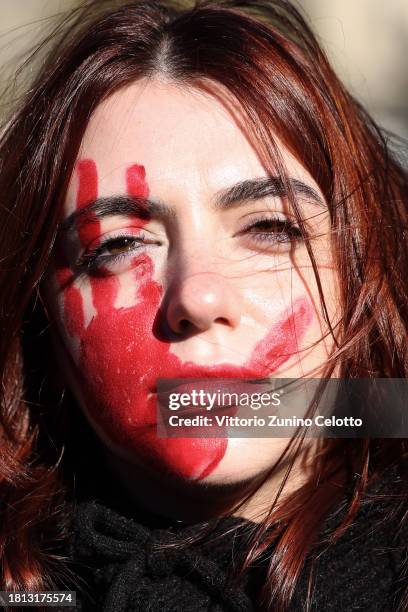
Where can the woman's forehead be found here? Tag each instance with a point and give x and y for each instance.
(186, 140)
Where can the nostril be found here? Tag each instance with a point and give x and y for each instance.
(195, 303)
(184, 325)
(222, 320)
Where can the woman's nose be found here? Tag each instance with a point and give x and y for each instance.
(201, 300)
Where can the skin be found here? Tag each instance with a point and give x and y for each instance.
(196, 290)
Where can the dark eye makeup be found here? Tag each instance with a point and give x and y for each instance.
(274, 230)
(112, 250)
(270, 230)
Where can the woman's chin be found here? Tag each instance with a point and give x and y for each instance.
(246, 459)
(207, 461)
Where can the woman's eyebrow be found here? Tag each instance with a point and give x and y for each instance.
(145, 208)
(124, 205)
(255, 189)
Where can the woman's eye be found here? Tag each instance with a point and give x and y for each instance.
(111, 250)
(119, 245)
(274, 230)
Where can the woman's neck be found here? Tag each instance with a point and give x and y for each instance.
(188, 502)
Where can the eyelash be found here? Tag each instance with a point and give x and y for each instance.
(95, 258)
(279, 231)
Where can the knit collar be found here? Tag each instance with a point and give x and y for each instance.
(130, 566)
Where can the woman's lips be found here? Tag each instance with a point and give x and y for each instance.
(212, 380)
(212, 375)
(205, 395)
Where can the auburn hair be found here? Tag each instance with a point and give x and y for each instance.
(265, 55)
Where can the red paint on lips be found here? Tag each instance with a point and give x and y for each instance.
(121, 359)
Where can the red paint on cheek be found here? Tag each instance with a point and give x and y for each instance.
(74, 311)
(122, 359)
(283, 340)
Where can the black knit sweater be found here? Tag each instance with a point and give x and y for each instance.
(122, 567)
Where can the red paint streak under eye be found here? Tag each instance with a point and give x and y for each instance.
(74, 311)
(72, 297)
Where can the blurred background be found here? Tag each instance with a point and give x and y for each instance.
(366, 40)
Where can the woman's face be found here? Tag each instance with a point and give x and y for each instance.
(177, 258)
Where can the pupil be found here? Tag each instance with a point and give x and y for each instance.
(118, 246)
